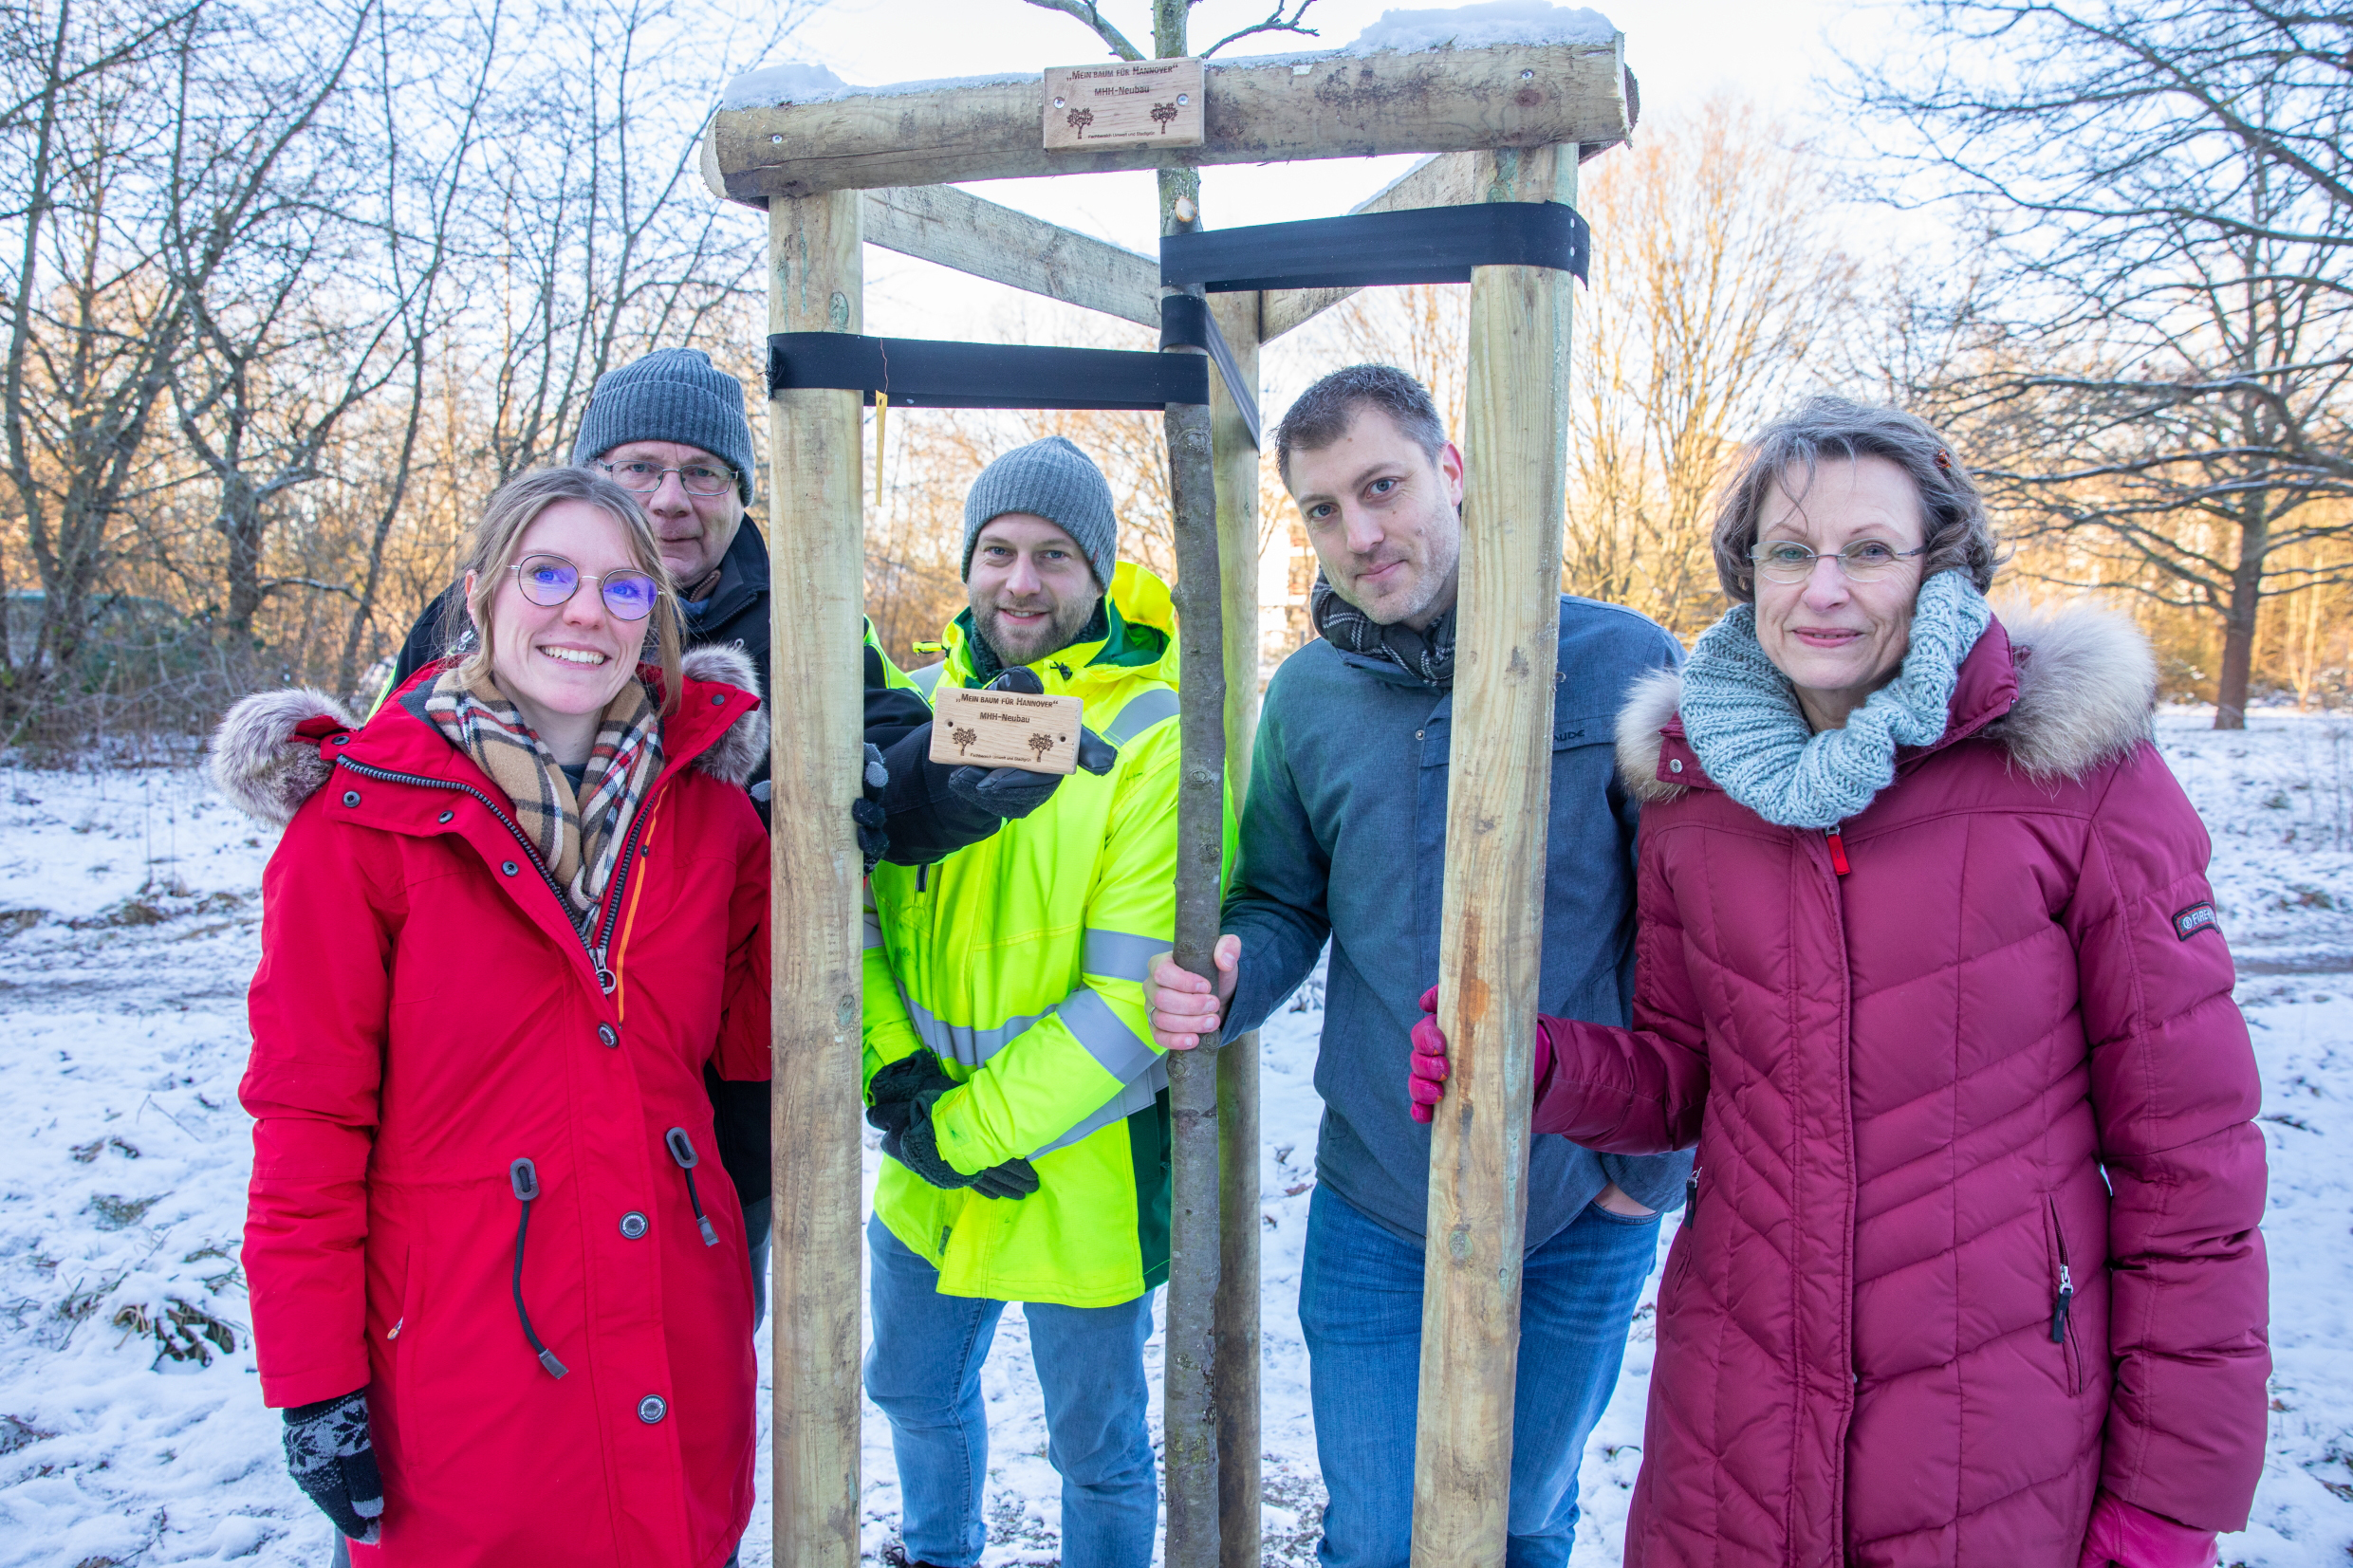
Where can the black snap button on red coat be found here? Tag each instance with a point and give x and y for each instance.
(652, 1408)
(608, 1033)
(508, 866)
(351, 797)
(633, 1224)
(447, 817)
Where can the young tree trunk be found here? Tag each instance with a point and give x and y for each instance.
(1189, 1408)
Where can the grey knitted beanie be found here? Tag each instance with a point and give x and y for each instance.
(670, 394)
(1051, 479)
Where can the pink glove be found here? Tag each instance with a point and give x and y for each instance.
(2135, 1538)
(1428, 1065)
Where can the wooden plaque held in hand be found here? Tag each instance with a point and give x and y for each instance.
(1005, 730)
(1121, 103)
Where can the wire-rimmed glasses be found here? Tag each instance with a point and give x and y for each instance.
(641, 477)
(1787, 561)
(549, 580)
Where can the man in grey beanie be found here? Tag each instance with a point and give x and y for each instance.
(1024, 1110)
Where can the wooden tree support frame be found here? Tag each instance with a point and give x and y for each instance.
(1506, 124)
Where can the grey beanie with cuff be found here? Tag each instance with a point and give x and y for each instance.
(1051, 479)
(670, 394)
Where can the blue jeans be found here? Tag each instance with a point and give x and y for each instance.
(925, 1373)
(1359, 1303)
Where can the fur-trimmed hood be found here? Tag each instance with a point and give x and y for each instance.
(265, 757)
(2086, 687)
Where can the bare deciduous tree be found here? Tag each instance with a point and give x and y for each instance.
(2159, 367)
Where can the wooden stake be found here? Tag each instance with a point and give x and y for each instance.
(1499, 784)
(1236, 1342)
(816, 591)
(1189, 1405)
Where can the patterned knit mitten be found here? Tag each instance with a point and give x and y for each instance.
(332, 1460)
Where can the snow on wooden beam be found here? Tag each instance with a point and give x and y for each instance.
(939, 223)
(1267, 110)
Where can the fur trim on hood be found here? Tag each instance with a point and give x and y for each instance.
(261, 765)
(2086, 688)
(735, 756)
(267, 767)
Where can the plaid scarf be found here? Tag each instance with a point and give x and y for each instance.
(1428, 656)
(579, 840)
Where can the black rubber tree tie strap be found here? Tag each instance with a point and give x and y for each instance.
(1189, 322)
(927, 373)
(1367, 249)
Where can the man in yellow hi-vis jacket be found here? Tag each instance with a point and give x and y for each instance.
(1008, 1056)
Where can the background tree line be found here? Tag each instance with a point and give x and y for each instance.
(284, 295)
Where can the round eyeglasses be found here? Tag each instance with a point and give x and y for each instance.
(643, 478)
(1787, 561)
(550, 580)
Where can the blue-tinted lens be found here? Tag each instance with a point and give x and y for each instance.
(630, 594)
(546, 579)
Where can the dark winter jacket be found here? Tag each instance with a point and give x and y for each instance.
(1344, 834)
(425, 1015)
(1977, 1180)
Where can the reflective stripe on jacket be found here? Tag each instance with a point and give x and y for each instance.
(1019, 963)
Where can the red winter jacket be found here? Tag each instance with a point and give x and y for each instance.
(423, 1015)
(1993, 1061)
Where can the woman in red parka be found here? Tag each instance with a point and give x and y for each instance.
(512, 918)
(1928, 968)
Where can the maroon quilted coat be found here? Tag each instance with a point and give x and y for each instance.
(1905, 1080)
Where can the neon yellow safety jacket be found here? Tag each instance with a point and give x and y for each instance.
(1020, 961)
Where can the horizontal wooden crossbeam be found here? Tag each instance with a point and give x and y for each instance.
(939, 223)
(1275, 109)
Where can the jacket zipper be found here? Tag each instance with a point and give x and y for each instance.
(1691, 1201)
(1837, 851)
(2066, 1298)
(597, 948)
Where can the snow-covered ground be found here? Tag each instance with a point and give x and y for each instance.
(131, 1425)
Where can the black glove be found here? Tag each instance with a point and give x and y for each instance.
(867, 811)
(901, 1097)
(332, 1460)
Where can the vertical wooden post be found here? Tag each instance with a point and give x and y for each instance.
(1188, 1385)
(1499, 785)
(1236, 455)
(816, 542)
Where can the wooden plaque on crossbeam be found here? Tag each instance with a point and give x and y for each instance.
(1005, 730)
(1124, 102)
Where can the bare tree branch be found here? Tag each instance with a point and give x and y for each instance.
(1086, 11)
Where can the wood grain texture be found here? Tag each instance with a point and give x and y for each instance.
(1005, 730)
(1433, 101)
(1449, 179)
(816, 538)
(1123, 101)
(939, 223)
(1236, 1350)
(1499, 781)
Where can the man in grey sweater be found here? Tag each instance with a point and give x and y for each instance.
(1344, 836)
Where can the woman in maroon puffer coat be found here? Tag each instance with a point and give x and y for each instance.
(1928, 969)
(498, 1279)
